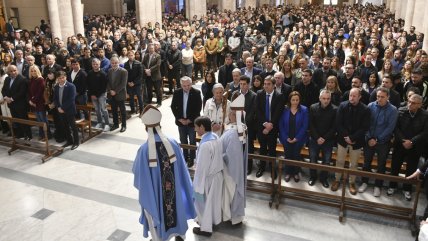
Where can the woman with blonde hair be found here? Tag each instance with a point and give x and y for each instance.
(332, 85)
(36, 98)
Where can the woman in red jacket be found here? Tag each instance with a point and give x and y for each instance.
(36, 98)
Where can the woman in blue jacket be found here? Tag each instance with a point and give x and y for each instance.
(293, 127)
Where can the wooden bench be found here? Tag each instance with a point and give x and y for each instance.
(86, 124)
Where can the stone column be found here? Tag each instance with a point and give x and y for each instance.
(402, 9)
(54, 18)
(419, 15)
(227, 4)
(67, 23)
(250, 3)
(114, 5)
(196, 7)
(425, 29)
(148, 11)
(409, 14)
(76, 7)
(392, 5)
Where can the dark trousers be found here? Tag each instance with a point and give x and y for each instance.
(252, 135)
(199, 69)
(59, 133)
(173, 74)
(400, 155)
(69, 124)
(314, 151)
(292, 152)
(187, 136)
(132, 91)
(121, 105)
(150, 84)
(21, 130)
(82, 100)
(267, 145)
(382, 151)
(212, 61)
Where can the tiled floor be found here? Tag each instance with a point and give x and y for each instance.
(88, 194)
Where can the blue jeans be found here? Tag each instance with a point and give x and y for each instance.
(101, 109)
(187, 134)
(187, 70)
(314, 151)
(135, 90)
(41, 117)
(81, 100)
(382, 151)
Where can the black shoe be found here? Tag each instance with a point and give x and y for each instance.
(275, 174)
(311, 181)
(178, 238)
(190, 163)
(325, 184)
(159, 105)
(114, 127)
(123, 129)
(67, 144)
(260, 172)
(198, 231)
(249, 171)
(74, 146)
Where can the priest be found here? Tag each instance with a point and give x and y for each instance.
(163, 182)
(208, 179)
(235, 157)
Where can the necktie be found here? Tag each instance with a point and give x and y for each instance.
(267, 110)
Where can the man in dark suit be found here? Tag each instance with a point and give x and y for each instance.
(336, 50)
(64, 95)
(320, 75)
(249, 69)
(269, 107)
(78, 76)
(280, 86)
(173, 61)
(116, 89)
(186, 106)
(135, 81)
(51, 66)
(151, 66)
(250, 115)
(14, 92)
(21, 64)
(225, 71)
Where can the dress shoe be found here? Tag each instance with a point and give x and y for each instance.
(312, 181)
(287, 178)
(198, 231)
(296, 178)
(352, 189)
(74, 146)
(249, 170)
(114, 127)
(178, 238)
(325, 184)
(123, 129)
(260, 172)
(335, 186)
(67, 144)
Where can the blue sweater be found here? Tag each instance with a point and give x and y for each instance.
(382, 122)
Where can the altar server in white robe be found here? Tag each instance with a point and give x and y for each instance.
(208, 179)
(235, 156)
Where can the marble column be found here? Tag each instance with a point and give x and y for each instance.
(419, 15)
(76, 7)
(54, 18)
(227, 5)
(114, 5)
(392, 5)
(148, 11)
(425, 28)
(408, 18)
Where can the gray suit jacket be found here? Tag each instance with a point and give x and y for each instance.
(117, 80)
(154, 66)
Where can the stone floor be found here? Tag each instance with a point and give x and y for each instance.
(88, 194)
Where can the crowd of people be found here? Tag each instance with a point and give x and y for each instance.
(323, 77)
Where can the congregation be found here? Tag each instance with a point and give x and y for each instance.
(348, 78)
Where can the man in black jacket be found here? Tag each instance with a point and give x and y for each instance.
(174, 66)
(320, 75)
(307, 89)
(352, 122)
(225, 71)
(411, 133)
(250, 115)
(322, 116)
(78, 76)
(186, 106)
(269, 107)
(135, 82)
